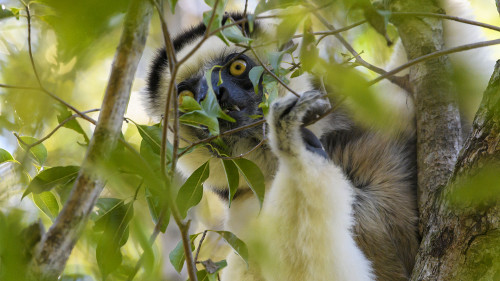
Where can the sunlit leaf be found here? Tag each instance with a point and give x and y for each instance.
(47, 203)
(308, 51)
(38, 152)
(232, 177)
(253, 176)
(289, 24)
(52, 177)
(297, 73)
(177, 256)
(191, 191)
(188, 104)
(375, 18)
(5, 156)
(276, 4)
(237, 244)
(79, 24)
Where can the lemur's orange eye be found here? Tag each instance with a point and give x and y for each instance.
(238, 67)
(185, 93)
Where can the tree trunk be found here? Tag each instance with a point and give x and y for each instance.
(462, 240)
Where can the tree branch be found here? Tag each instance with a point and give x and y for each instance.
(435, 55)
(56, 245)
(437, 115)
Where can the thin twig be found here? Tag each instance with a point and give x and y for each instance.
(199, 246)
(188, 148)
(28, 14)
(435, 55)
(332, 32)
(271, 73)
(19, 87)
(29, 146)
(443, 16)
(261, 143)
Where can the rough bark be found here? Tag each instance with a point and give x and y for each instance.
(56, 245)
(462, 240)
(437, 115)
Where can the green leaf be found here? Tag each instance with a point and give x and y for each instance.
(115, 225)
(255, 74)
(234, 34)
(148, 153)
(103, 206)
(308, 51)
(237, 244)
(264, 6)
(191, 191)
(52, 177)
(210, 104)
(377, 19)
(218, 14)
(232, 177)
(155, 205)
(38, 152)
(5, 156)
(289, 24)
(199, 118)
(64, 114)
(253, 176)
(177, 256)
(47, 203)
(297, 73)
(152, 135)
(7, 13)
(172, 3)
(188, 104)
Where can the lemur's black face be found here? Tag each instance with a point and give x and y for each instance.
(232, 87)
(229, 79)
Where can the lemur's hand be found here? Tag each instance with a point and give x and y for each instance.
(287, 116)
